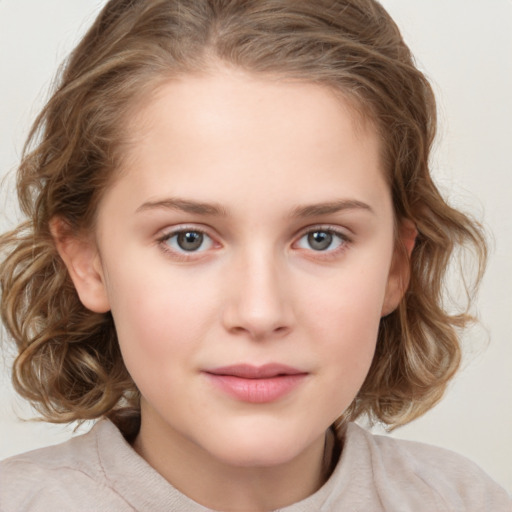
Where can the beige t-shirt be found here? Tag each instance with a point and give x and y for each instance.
(100, 472)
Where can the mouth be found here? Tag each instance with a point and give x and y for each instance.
(256, 384)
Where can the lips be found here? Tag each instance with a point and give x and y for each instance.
(256, 384)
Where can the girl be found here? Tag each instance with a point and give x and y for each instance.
(233, 249)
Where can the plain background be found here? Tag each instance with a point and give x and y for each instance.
(465, 48)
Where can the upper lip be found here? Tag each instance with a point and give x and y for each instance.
(248, 371)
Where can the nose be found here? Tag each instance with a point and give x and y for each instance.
(258, 301)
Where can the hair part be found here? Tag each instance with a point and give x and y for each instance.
(69, 364)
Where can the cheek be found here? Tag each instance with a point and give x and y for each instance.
(349, 301)
(352, 340)
(344, 318)
(159, 317)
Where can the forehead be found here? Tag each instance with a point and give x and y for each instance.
(252, 134)
(213, 96)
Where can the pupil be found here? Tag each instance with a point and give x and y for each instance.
(319, 240)
(190, 240)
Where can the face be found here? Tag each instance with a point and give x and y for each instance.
(246, 253)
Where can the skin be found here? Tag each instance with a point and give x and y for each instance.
(263, 154)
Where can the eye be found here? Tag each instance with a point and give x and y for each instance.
(324, 240)
(187, 240)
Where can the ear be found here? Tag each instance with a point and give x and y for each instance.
(80, 255)
(400, 270)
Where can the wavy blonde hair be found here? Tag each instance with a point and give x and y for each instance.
(69, 364)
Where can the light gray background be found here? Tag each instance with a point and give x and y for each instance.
(465, 47)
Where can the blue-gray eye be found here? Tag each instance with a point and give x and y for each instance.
(321, 240)
(189, 241)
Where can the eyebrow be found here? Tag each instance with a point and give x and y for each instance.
(330, 208)
(201, 208)
(195, 207)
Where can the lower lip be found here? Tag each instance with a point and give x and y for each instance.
(257, 391)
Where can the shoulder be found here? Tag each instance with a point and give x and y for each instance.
(56, 476)
(447, 479)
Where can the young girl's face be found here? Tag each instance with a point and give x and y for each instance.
(246, 253)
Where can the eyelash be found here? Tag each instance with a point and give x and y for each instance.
(344, 241)
(183, 255)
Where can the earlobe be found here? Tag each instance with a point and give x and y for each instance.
(80, 255)
(400, 271)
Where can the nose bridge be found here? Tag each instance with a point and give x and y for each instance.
(258, 301)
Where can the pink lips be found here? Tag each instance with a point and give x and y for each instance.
(256, 384)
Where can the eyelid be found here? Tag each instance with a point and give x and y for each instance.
(335, 230)
(167, 233)
(331, 228)
(170, 232)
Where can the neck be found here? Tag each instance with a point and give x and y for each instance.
(222, 486)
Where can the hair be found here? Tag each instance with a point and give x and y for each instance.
(69, 365)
